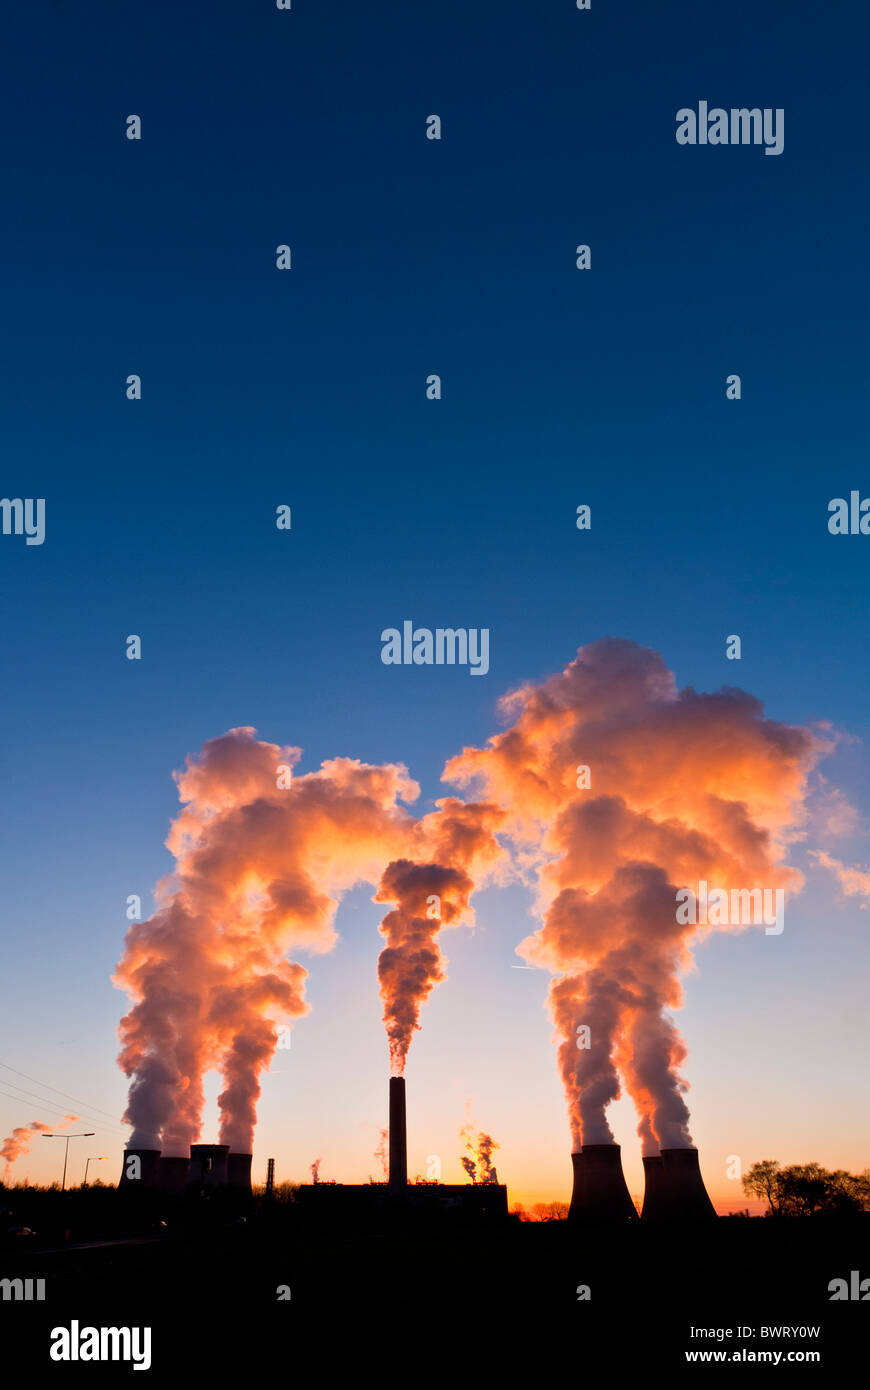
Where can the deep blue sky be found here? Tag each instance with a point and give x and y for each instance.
(410, 257)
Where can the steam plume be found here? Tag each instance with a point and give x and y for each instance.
(260, 868)
(454, 847)
(481, 1146)
(684, 786)
(381, 1151)
(17, 1144)
(485, 1148)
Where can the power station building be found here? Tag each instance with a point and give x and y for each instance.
(673, 1187)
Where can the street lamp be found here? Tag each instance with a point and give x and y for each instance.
(89, 1135)
(93, 1159)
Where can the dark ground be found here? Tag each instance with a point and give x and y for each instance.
(461, 1301)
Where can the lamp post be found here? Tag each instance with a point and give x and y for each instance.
(67, 1137)
(93, 1159)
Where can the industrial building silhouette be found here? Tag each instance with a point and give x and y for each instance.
(673, 1186)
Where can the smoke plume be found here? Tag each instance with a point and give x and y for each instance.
(481, 1146)
(485, 1148)
(17, 1144)
(260, 867)
(680, 787)
(454, 848)
(381, 1152)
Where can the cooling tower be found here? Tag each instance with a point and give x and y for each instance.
(654, 1201)
(148, 1174)
(173, 1174)
(600, 1193)
(208, 1165)
(684, 1196)
(398, 1135)
(239, 1172)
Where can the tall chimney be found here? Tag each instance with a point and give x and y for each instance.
(148, 1169)
(239, 1172)
(600, 1192)
(398, 1135)
(684, 1195)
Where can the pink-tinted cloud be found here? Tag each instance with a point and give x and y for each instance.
(260, 868)
(854, 880)
(17, 1144)
(454, 849)
(684, 787)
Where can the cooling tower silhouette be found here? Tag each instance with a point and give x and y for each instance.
(684, 1184)
(208, 1166)
(600, 1193)
(674, 1189)
(173, 1174)
(654, 1202)
(146, 1174)
(239, 1172)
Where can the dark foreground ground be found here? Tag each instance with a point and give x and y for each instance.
(411, 1306)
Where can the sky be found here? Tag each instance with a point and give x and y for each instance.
(307, 388)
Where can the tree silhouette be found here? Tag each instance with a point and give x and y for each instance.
(807, 1189)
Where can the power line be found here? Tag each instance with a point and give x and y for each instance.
(48, 1101)
(46, 1104)
(65, 1094)
(53, 1109)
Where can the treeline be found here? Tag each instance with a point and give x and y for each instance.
(807, 1189)
(541, 1211)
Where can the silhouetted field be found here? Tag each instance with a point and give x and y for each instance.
(208, 1285)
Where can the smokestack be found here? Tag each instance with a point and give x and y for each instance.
(145, 1174)
(239, 1172)
(654, 1201)
(600, 1193)
(208, 1165)
(398, 1135)
(173, 1174)
(684, 1195)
